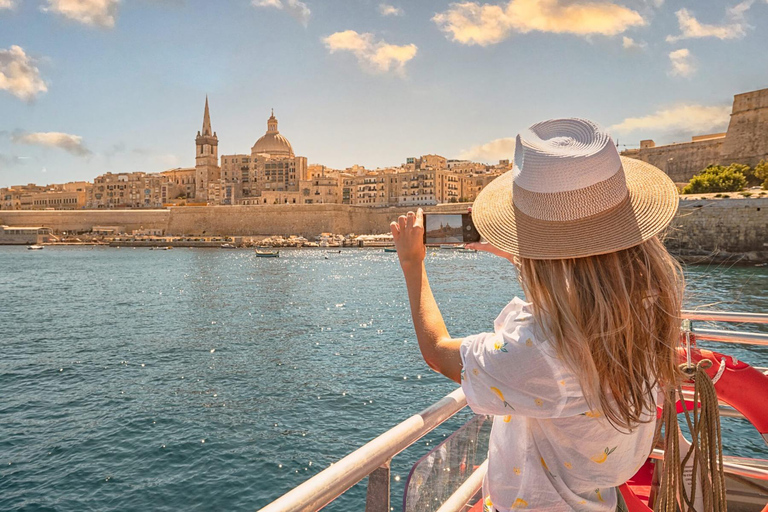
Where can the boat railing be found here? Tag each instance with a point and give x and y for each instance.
(373, 459)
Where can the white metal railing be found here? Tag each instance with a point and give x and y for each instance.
(327, 485)
(373, 459)
(464, 493)
(726, 316)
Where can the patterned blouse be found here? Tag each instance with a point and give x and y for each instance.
(548, 450)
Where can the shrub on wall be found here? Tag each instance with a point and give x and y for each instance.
(761, 173)
(717, 178)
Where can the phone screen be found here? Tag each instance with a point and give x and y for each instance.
(441, 228)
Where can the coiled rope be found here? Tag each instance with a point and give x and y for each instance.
(706, 449)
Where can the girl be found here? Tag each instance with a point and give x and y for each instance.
(570, 374)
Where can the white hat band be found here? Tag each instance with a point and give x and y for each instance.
(570, 205)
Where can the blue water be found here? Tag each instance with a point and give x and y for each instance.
(203, 379)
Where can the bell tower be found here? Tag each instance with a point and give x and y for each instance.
(206, 157)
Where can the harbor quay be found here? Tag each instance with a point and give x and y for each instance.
(703, 229)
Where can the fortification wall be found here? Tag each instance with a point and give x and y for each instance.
(286, 219)
(84, 220)
(733, 226)
(681, 161)
(720, 227)
(747, 139)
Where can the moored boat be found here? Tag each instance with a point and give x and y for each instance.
(267, 254)
(35, 247)
(228, 246)
(390, 249)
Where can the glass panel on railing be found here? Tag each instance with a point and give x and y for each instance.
(437, 475)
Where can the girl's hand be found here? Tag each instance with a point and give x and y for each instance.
(486, 247)
(408, 233)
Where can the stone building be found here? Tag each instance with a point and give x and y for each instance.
(745, 142)
(132, 190)
(67, 196)
(271, 172)
(185, 179)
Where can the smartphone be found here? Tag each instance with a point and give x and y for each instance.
(449, 228)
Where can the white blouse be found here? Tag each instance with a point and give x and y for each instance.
(548, 450)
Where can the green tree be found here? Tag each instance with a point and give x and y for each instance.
(717, 178)
(761, 173)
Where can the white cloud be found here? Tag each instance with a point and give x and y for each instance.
(68, 142)
(485, 24)
(498, 149)
(100, 13)
(19, 75)
(691, 28)
(678, 119)
(377, 56)
(7, 4)
(299, 10)
(390, 10)
(682, 63)
(631, 44)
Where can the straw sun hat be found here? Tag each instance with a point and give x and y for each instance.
(571, 195)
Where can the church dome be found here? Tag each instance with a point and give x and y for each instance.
(272, 143)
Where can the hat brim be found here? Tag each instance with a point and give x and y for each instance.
(649, 208)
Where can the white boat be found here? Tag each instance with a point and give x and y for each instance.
(35, 247)
(267, 254)
(451, 475)
(228, 246)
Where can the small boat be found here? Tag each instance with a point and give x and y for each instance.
(35, 247)
(167, 248)
(390, 249)
(267, 254)
(228, 246)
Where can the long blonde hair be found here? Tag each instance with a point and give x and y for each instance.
(614, 320)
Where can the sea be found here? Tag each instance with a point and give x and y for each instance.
(209, 379)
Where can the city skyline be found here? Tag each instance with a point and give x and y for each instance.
(95, 87)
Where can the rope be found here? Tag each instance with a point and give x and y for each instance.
(706, 450)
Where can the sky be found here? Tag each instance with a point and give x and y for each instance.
(95, 86)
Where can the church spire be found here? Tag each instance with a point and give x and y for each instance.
(207, 120)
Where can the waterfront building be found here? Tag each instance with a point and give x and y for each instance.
(320, 189)
(447, 186)
(185, 179)
(277, 168)
(12, 196)
(207, 168)
(132, 190)
(472, 184)
(745, 142)
(415, 188)
(66, 196)
(434, 162)
(270, 174)
(20, 235)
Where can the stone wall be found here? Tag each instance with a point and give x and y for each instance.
(290, 219)
(681, 161)
(84, 220)
(720, 228)
(747, 139)
(732, 226)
